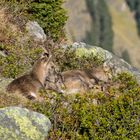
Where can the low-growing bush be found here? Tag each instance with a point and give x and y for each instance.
(67, 59)
(78, 117)
(18, 60)
(48, 13)
(7, 99)
(20, 50)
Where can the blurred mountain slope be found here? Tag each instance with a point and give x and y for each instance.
(125, 38)
(79, 21)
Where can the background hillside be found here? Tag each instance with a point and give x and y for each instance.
(113, 25)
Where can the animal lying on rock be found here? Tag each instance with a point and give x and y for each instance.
(29, 84)
(75, 81)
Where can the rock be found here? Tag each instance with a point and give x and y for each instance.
(3, 83)
(22, 124)
(35, 31)
(111, 62)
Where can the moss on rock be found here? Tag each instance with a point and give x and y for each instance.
(23, 124)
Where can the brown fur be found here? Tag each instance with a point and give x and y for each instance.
(29, 84)
(98, 74)
(56, 85)
(72, 81)
(78, 80)
(76, 76)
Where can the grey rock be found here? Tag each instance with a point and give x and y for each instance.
(3, 83)
(35, 31)
(22, 124)
(110, 61)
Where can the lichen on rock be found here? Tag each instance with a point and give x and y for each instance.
(22, 124)
(111, 62)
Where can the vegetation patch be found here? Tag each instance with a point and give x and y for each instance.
(78, 117)
(48, 13)
(21, 51)
(110, 114)
(18, 60)
(67, 59)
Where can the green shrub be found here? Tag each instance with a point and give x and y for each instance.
(18, 60)
(67, 59)
(79, 118)
(50, 15)
(21, 51)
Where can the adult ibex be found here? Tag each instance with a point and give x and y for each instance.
(29, 84)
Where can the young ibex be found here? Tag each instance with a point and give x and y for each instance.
(29, 84)
(75, 81)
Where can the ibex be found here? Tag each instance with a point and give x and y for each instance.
(29, 84)
(75, 81)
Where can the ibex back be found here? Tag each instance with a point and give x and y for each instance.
(72, 81)
(76, 81)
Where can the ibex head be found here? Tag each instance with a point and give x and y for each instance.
(53, 80)
(43, 66)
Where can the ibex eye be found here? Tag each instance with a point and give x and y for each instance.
(52, 67)
(46, 54)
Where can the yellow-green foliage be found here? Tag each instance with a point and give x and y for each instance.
(48, 13)
(80, 118)
(115, 116)
(20, 50)
(18, 60)
(67, 58)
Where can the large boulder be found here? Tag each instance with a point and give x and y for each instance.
(35, 31)
(110, 61)
(22, 124)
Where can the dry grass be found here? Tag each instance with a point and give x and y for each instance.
(8, 30)
(7, 99)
